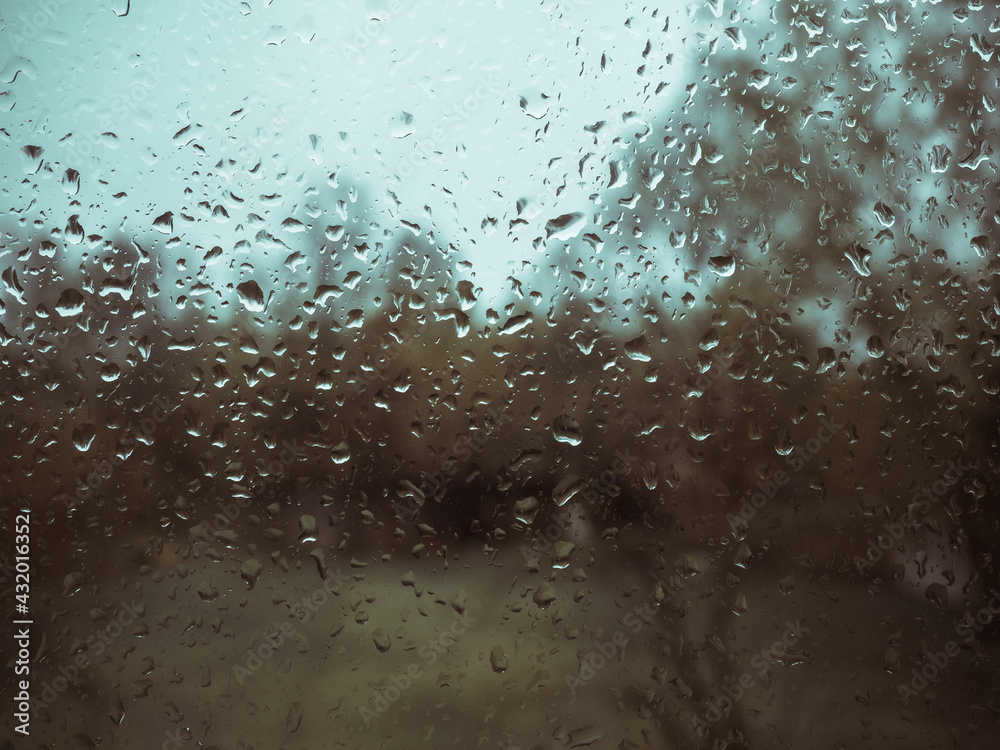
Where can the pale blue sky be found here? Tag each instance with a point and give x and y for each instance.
(420, 100)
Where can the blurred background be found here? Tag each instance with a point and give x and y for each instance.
(547, 325)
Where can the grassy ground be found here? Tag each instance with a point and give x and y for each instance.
(628, 646)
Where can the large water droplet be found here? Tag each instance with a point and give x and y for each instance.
(565, 227)
(498, 660)
(859, 258)
(565, 429)
(83, 436)
(251, 296)
(70, 302)
(722, 265)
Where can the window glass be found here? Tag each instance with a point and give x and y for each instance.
(499, 374)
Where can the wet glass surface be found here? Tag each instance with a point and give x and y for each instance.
(494, 374)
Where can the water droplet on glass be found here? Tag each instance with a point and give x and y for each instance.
(565, 429)
(875, 347)
(884, 215)
(722, 265)
(526, 509)
(381, 640)
(638, 349)
(251, 296)
(83, 436)
(498, 660)
(70, 302)
(544, 595)
(859, 258)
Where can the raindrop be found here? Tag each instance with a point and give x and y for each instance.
(250, 572)
(722, 265)
(585, 736)
(83, 436)
(884, 215)
(340, 453)
(638, 349)
(544, 595)
(74, 232)
(526, 509)
(565, 227)
(517, 323)
(116, 710)
(307, 528)
(207, 591)
(825, 359)
(381, 640)
(875, 347)
(565, 429)
(70, 302)
(110, 373)
(13, 285)
(164, 223)
(859, 258)
(561, 554)
(251, 296)
(498, 660)
(293, 720)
